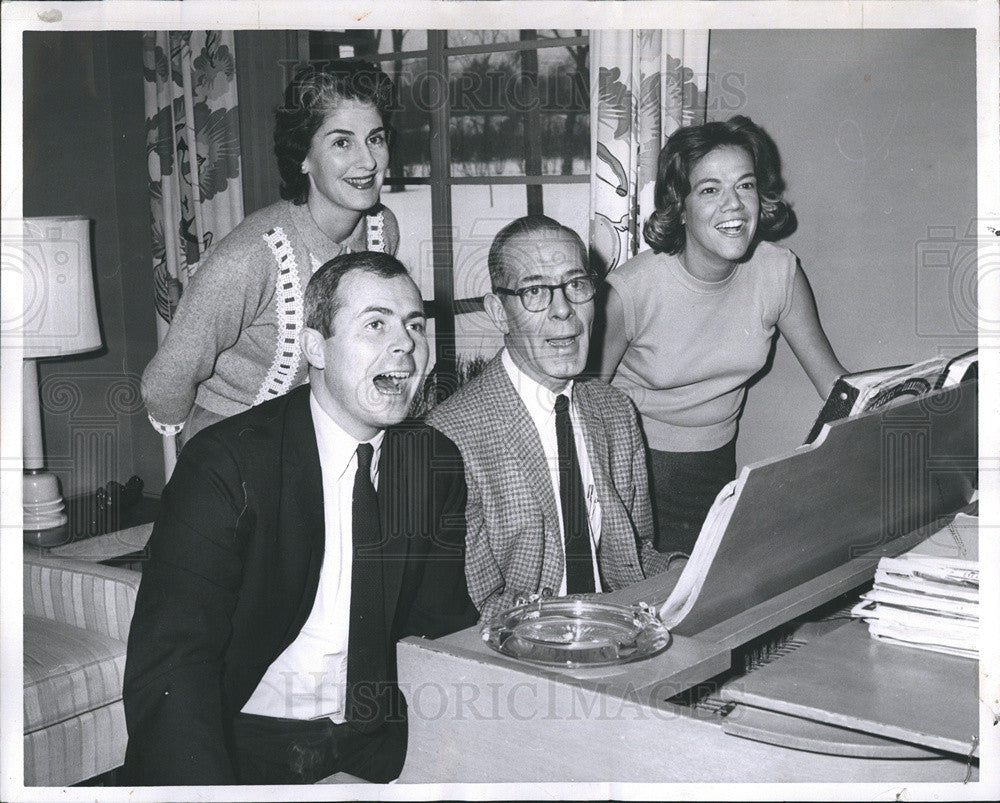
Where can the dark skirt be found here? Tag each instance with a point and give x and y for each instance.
(683, 487)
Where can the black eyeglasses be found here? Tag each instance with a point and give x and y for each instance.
(537, 297)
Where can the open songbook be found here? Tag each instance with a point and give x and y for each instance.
(853, 394)
(685, 592)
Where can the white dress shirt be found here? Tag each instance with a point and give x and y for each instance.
(541, 404)
(309, 678)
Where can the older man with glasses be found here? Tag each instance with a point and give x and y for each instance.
(556, 465)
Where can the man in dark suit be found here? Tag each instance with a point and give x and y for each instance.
(262, 649)
(556, 465)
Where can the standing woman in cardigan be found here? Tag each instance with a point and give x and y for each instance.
(233, 342)
(691, 322)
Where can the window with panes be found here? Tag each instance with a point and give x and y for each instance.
(490, 125)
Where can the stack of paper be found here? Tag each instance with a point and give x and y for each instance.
(929, 597)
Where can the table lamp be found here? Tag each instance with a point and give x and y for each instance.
(59, 319)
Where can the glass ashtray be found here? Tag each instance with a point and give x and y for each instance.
(569, 631)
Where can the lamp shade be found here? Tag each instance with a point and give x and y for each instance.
(60, 312)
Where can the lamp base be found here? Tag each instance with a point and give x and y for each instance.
(55, 536)
(45, 516)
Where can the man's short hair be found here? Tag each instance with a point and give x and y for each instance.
(321, 301)
(527, 225)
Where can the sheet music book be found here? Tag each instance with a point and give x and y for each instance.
(685, 592)
(858, 393)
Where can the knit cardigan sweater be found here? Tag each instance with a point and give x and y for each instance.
(233, 342)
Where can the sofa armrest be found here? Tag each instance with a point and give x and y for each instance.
(87, 595)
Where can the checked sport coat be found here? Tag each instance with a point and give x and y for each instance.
(513, 539)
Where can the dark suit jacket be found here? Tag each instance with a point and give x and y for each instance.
(514, 542)
(233, 567)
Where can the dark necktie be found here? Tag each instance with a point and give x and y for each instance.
(367, 657)
(576, 530)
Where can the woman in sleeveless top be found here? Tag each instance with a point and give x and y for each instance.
(691, 322)
(233, 341)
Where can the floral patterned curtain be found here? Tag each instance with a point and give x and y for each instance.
(193, 149)
(649, 83)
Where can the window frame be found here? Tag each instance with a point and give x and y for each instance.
(444, 308)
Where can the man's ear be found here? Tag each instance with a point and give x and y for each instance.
(494, 308)
(313, 345)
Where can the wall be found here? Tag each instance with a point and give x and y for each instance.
(876, 131)
(84, 154)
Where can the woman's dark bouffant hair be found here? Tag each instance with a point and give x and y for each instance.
(315, 91)
(664, 231)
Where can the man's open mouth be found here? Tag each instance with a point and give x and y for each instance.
(392, 383)
(562, 342)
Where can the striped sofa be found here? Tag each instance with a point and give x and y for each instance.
(76, 621)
